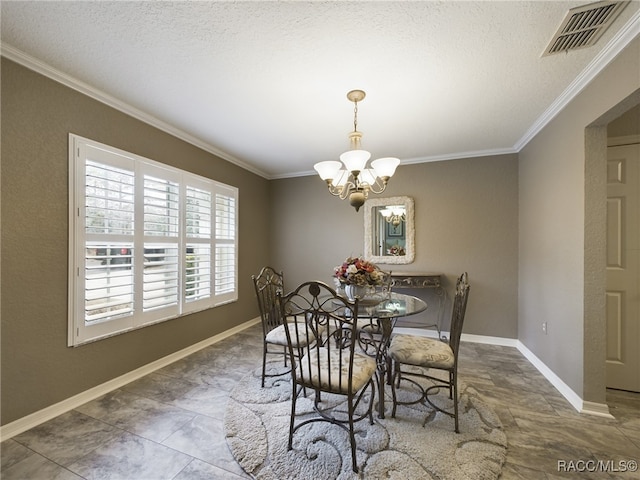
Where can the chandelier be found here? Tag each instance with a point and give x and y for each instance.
(350, 178)
(394, 214)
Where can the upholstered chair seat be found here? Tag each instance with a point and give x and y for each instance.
(418, 351)
(322, 370)
(278, 336)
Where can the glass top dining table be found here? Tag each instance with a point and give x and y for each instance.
(394, 305)
(376, 321)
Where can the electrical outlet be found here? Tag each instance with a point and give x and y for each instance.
(544, 327)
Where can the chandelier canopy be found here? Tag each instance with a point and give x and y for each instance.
(350, 178)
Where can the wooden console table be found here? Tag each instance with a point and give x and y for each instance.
(423, 280)
(415, 280)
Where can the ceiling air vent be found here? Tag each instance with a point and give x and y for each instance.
(583, 26)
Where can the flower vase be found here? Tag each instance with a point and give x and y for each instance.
(356, 291)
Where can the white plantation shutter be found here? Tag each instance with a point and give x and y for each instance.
(198, 272)
(226, 242)
(161, 207)
(147, 242)
(161, 217)
(105, 275)
(199, 214)
(109, 198)
(109, 212)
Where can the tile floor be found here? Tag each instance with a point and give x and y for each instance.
(169, 424)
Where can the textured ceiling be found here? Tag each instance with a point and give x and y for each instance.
(264, 83)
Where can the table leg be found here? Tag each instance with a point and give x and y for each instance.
(383, 361)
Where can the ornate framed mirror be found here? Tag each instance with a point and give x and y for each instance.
(389, 232)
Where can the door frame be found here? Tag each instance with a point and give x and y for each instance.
(628, 142)
(594, 304)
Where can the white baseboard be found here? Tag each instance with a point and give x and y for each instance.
(48, 413)
(590, 408)
(597, 409)
(502, 341)
(25, 423)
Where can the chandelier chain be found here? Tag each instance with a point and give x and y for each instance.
(355, 117)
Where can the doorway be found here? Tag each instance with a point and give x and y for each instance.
(623, 267)
(595, 249)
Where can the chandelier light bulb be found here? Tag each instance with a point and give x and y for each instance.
(385, 167)
(327, 170)
(355, 160)
(342, 178)
(367, 176)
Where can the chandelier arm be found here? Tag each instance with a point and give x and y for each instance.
(377, 187)
(335, 191)
(343, 191)
(347, 188)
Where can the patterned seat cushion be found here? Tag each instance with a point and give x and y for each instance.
(363, 369)
(421, 351)
(278, 336)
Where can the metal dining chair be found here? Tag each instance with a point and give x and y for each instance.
(330, 363)
(268, 283)
(431, 354)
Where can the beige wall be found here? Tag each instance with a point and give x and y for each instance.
(625, 125)
(515, 223)
(38, 369)
(466, 219)
(561, 266)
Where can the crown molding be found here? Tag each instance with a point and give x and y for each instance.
(411, 161)
(620, 40)
(460, 155)
(48, 71)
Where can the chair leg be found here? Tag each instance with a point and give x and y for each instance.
(396, 367)
(389, 368)
(294, 397)
(352, 438)
(394, 385)
(371, 402)
(455, 400)
(264, 362)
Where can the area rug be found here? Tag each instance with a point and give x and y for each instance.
(257, 429)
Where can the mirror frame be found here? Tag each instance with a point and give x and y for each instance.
(369, 205)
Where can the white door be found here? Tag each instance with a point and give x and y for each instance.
(623, 268)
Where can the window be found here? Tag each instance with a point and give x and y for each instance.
(147, 242)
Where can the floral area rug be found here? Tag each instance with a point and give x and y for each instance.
(257, 429)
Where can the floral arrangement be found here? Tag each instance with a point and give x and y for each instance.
(397, 250)
(357, 271)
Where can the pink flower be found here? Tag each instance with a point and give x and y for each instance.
(357, 271)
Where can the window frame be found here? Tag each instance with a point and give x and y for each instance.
(83, 150)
